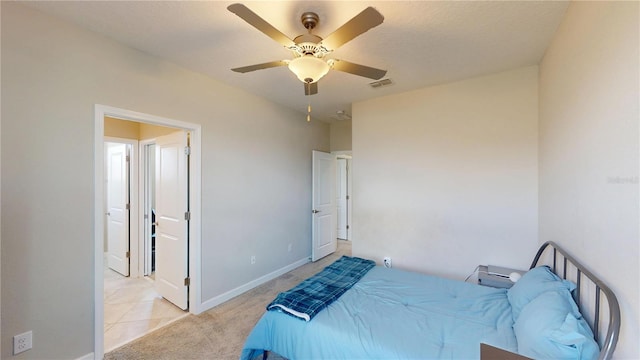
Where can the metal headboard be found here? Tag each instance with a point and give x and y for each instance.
(562, 264)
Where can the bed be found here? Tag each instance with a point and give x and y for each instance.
(558, 309)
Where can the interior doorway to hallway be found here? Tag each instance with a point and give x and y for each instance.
(134, 302)
(161, 190)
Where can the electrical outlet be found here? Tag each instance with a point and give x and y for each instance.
(253, 259)
(22, 342)
(387, 262)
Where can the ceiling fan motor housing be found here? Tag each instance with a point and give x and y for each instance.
(309, 48)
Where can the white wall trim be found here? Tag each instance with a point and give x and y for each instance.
(215, 301)
(89, 356)
(98, 234)
(195, 228)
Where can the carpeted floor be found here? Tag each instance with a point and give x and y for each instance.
(218, 333)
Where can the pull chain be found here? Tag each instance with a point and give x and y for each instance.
(309, 112)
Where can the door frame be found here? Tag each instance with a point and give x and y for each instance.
(195, 299)
(133, 203)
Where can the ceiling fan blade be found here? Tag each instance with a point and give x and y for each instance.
(359, 24)
(360, 70)
(255, 67)
(259, 23)
(310, 88)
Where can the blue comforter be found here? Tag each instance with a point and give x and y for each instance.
(393, 314)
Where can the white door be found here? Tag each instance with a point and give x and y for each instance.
(341, 197)
(323, 200)
(171, 224)
(349, 198)
(117, 207)
(148, 171)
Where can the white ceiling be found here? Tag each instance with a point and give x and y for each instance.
(420, 43)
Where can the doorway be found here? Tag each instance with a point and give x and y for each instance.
(188, 219)
(135, 303)
(331, 201)
(323, 202)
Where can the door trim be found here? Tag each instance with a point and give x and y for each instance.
(195, 299)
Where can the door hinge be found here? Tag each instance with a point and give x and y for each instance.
(187, 281)
(128, 158)
(187, 150)
(347, 227)
(128, 254)
(348, 197)
(128, 206)
(187, 215)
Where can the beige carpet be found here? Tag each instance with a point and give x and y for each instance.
(219, 333)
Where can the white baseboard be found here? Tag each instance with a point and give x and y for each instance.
(206, 305)
(89, 356)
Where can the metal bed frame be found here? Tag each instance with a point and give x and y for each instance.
(568, 268)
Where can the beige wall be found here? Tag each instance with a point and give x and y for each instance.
(148, 131)
(589, 153)
(133, 130)
(445, 178)
(256, 191)
(121, 128)
(341, 135)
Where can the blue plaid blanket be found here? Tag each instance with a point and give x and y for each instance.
(314, 294)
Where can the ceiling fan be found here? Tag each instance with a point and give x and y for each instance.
(309, 49)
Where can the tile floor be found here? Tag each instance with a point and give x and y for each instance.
(132, 308)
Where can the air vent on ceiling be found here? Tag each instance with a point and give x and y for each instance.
(342, 115)
(380, 83)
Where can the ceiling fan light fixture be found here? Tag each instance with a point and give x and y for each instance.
(309, 68)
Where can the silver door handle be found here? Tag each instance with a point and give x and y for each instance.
(314, 211)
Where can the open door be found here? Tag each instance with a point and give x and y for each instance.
(172, 156)
(323, 223)
(341, 198)
(117, 207)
